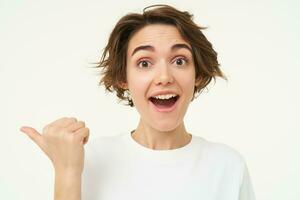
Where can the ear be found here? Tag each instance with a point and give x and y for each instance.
(123, 86)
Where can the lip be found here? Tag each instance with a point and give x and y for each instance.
(163, 92)
(165, 110)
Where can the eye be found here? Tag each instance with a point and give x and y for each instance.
(180, 61)
(144, 64)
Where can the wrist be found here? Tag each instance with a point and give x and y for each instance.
(62, 171)
(67, 174)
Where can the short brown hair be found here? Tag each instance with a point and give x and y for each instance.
(113, 59)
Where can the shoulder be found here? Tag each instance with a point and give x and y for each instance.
(101, 143)
(223, 160)
(220, 153)
(104, 150)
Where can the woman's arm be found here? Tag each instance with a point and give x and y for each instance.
(63, 142)
(246, 188)
(67, 186)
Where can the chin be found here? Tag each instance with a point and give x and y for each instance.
(166, 126)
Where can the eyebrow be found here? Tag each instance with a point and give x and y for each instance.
(151, 48)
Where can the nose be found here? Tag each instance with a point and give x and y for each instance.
(164, 75)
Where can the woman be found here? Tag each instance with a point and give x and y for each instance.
(156, 61)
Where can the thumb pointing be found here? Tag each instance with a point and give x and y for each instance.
(33, 134)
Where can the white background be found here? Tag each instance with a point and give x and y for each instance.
(47, 47)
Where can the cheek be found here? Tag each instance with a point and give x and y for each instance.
(189, 86)
(138, 84)
(187, 81)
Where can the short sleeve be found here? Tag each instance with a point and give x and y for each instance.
(246, 188)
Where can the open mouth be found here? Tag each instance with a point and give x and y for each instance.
(164, 103)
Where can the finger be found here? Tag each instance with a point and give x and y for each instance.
(86, 139)
(33, 135)
(75, 126)
(82, 134)
(64, 121)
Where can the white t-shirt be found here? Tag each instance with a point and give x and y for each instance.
(119, 168)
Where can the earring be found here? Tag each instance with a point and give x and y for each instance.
(129, 98)
(128, 95)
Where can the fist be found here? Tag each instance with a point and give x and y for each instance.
(62, 141)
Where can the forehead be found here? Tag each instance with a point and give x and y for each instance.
(157, 35)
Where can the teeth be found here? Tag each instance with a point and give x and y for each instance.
(166, 96)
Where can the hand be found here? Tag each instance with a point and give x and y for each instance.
(62, 141)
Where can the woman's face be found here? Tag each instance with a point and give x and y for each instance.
(160, 66)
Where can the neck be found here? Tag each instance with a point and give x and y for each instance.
(161, 140)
